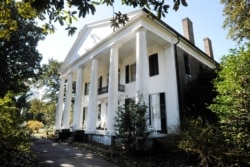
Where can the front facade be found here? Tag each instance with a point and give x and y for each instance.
(109, 68)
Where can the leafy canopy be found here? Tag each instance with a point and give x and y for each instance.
(237, 19)
(49, 79)
(14, 138)
(232, 103)
(65, 12)
(19, 58)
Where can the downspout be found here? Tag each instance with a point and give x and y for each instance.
(177, 76)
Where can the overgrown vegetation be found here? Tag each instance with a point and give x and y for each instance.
(34, 125)
(204, 141)
(225, 142)
(14, 137)
(131, 124)
(232, 105)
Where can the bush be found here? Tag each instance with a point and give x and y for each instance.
(204, 141)
(14, 138)
(131, 124)
(34, 125)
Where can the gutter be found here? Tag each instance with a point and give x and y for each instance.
(177, 75)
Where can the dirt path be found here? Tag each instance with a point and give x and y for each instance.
(54, 154)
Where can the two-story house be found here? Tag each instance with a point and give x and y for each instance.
(110, 67)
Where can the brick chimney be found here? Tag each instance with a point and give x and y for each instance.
(188, 29)
(208, 47)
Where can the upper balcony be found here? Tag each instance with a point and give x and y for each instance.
(121, 88)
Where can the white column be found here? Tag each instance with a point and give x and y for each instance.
(67, 108)
(92, 106)
(142, 66)
(60, 105)
(172, 101)
(77, 119)
(113, 88)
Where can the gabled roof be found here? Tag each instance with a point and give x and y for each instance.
(94, 34)
(90, 35)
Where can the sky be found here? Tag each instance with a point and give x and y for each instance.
(207, 18)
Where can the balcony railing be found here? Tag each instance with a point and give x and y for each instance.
(121, 88)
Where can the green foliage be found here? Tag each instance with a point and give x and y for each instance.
(42, 112)
(34, 125)
(64, 12)
(204, 141)
(131, 124)
(19, 58)
(233, 104)
(49, 79)
(14, 138)
(226, 143)
(237, 19)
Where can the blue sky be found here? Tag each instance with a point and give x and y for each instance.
(206, 16)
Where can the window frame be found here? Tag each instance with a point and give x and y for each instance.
(130, 73)
(187, 65)
(153, 64)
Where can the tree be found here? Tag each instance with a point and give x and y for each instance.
(41, 111)
(14, 138)
(49, 79)
(58, 11)
(131, 124)
(237, 19)
(204, 141)
(19, 58)
(200, 137)
(232, 104)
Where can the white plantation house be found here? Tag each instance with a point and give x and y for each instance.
(109, 68)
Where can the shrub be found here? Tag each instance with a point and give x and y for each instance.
(14, 138)
(34, 125)
(205, 141)
(131, 124)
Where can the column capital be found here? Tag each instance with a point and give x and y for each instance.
(167, 46)
(115, 45)
(69, 73)
(80, 66)
(94, 58)
(141, 29)
(63, 77)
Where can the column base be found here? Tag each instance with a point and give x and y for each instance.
(80, 136)
(90, 131)
(110, 133)
(64, 134)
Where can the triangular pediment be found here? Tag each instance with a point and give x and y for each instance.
(90, 36)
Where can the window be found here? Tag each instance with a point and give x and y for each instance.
(99, 112)
(201, 68)
(86, 88)
(129, 102)
(100, 82)
(153, 65)
(84, 116)
(187, 65)
(119, 76)
(107, 79)
(157, 110)
(130, 73)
